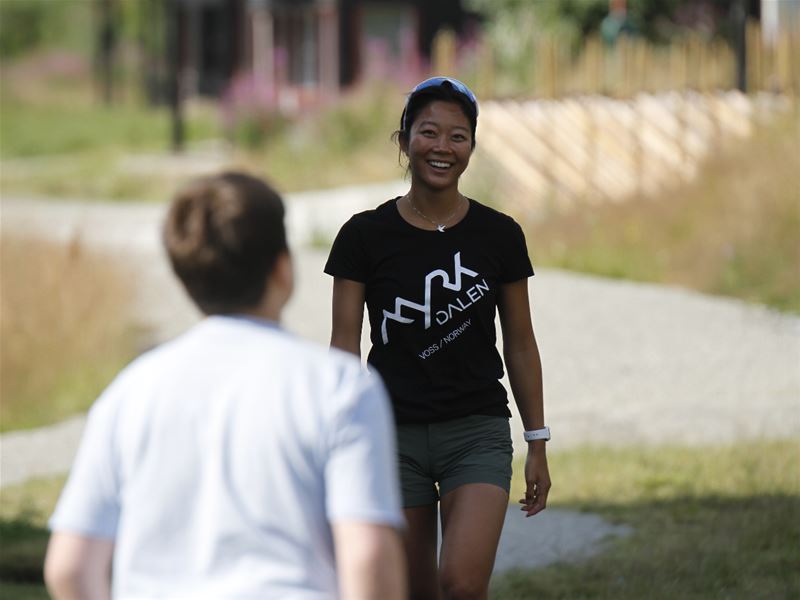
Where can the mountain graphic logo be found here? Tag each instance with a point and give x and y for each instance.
(425, 308)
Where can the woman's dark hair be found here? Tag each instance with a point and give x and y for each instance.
(420, 99)
(223, 235)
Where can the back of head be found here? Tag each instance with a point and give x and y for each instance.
(223, 235)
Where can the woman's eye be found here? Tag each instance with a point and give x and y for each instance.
(428, 132)
(459, 138)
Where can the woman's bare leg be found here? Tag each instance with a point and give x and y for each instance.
(472, 519)
(420, 542)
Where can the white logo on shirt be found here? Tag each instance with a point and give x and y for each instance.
(425, 308)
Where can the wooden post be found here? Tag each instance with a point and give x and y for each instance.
(783, 62)
(677, 66)
(739, 22)
(552, 69)
(104, 50)
(755, 72)
(263, 48)
(593, 65)
(174, 75)
(643, 60)
(444, 52)
(625, 48)
(485, 74)
(329, 49)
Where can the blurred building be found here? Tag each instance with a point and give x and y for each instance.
(778, 16)
(301, 52)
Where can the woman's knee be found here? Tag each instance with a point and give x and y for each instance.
(423, 580)
(462, 584)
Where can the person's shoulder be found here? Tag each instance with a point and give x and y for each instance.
(492, 216)
(339, 377)
(130, 380)
(330, 364)
(374, 215)
(145, 368)
(298, 352)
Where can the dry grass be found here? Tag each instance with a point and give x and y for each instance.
(732, 231)
(64, 329)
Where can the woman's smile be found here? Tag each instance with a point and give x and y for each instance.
(440, 145)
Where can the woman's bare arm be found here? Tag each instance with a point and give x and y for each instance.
(524, 365)
(347, 315)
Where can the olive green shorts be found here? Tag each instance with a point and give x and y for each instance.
(473, 449)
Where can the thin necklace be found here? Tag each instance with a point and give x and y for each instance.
(440, 226)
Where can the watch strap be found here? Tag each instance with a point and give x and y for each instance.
(537, 434)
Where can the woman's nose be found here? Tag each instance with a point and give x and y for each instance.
(442, 143)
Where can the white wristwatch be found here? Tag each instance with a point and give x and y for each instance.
(537, 434)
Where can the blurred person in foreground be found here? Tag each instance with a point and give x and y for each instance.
(235, 461)
(434, 268)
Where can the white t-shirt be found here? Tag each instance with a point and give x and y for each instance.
(219, 460)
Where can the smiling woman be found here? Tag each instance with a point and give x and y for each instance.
(433, 267)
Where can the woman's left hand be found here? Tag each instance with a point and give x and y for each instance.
(537, 479)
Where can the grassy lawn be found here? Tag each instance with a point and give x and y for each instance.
(84, 153)
(55, 129)
(59, 141)
(24, 510)
(709, 523)
(732, 231)
(713, 522)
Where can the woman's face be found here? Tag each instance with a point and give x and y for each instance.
(439, 145)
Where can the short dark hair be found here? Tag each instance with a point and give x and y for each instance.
(420, 99)
(223, 235)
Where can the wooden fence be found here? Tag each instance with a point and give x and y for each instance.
(556, 154)
(632, 65)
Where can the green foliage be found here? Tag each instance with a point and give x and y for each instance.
(27, 25)
(573, 20)
(342, 145)
(67, 25)
(21, 25)
(709, 522)
(252, 132)
(349, 125)
(576, 17)
(24, 547)
(24, 510)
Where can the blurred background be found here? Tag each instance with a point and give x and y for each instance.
(653, 141)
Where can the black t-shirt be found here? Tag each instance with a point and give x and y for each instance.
(431, 298)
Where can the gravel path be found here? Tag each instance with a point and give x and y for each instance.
(624, 363)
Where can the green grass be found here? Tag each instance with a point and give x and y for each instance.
(732, 231)
(708, 523)
(346, 144)
(50, 130)
(49, 107)
(24, 510)
(57, 140)
(711, 522)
